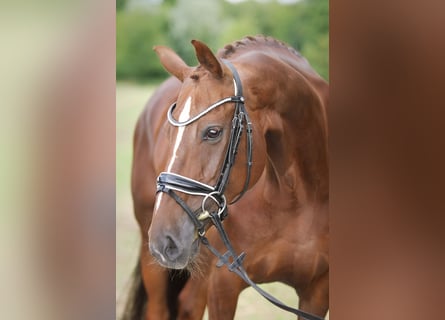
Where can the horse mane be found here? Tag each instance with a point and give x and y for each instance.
(265, 43)
(257, 41)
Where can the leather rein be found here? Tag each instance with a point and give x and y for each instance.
(170, 183)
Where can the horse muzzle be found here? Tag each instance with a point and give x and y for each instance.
(174, 250)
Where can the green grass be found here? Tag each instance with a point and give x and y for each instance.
(130, 100)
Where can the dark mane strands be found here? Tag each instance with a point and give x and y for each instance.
(286, 53)
(258, 40)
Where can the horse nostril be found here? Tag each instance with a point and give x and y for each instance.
(171, 250)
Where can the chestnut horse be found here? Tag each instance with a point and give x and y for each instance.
(275, 190)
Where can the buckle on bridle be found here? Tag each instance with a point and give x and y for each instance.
(222, 206)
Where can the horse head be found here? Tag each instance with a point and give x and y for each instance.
(206, 127)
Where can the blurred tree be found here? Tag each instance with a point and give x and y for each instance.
(236, 29)
(237, 24)
(313, 26)
(303, 25)
(170, 2)
(120, 4)
(317, 53)
(137, 32)
(194, 19)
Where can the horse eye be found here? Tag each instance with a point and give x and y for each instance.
(212, 133)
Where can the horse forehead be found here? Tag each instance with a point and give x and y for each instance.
(201, 94)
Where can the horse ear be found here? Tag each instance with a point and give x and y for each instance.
(207, 59)
(172, 62)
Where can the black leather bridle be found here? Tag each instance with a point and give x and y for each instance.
(170, 183)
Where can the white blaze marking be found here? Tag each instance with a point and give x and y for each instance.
(158, 202)
(185, 115)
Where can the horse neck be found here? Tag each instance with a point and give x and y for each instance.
(292, 115)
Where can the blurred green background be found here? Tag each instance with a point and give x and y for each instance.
(140, 25)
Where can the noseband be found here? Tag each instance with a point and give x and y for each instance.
(168, 182)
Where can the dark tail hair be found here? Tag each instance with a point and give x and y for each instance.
(176, 281)
(137, 297)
